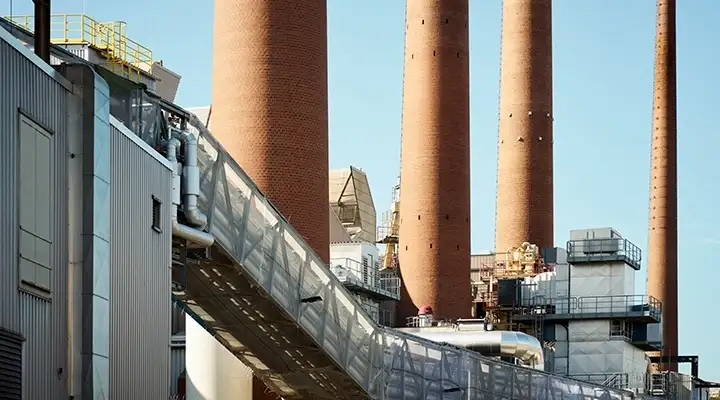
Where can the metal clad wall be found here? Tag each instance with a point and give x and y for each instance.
(177, 366)
(140, 272)
(42, 323)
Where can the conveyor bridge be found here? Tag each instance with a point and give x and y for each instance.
(269, 299)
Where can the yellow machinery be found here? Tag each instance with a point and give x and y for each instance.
(517, 263)
(124, 57)
(389, 232)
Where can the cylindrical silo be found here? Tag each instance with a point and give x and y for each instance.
(434, 252)
(270, 107)
(662, 245)
(270, 104)
(525, 148)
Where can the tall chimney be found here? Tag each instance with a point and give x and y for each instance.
(270, 104)
(524, 211)
(434, 244)
(662, 244)
(270, 108)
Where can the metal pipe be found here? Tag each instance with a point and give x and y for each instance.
(519, 345)
(178, 229)
(42, 29)
(191, 180)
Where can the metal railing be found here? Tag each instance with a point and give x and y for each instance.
(369, 277)
(604, 250)
(107, 37)
(596, 305)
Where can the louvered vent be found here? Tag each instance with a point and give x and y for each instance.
(10, 366)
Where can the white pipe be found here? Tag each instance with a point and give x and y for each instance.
(191, 234)
(191, 180)
(519, 345)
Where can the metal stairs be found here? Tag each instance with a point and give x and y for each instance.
(267, 297)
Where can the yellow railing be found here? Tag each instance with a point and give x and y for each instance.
(124, 55)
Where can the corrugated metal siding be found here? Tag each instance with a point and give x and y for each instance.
(140, 273)
(177, 366)
(42, 323)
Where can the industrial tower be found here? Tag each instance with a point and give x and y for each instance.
(525, 147)
(662, 245)
(270, 107)
(435, 169)
(270, 104)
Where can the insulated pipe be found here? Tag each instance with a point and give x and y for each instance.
(519, 345)
(178, 229)
(191, 180)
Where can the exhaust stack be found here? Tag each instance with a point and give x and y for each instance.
(662, 243)
(435, 167)
(525, 148)
(270, 104)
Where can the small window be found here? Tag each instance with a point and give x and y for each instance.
(156, 213)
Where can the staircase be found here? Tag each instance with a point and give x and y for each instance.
(270, 300)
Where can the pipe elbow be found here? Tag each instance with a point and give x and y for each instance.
(192, 235)
(196, 217)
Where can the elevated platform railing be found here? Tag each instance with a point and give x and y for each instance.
(125, 56)
(642, 307)
(604, 250)
(368, 278)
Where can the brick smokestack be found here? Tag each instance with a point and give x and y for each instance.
(270, 104)
(525, 149)
(435, 168)
(662, 245)
(270, 108)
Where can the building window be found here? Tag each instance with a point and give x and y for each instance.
(11, 361)
(156, 213)
(36, 163)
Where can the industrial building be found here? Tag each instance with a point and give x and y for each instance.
(149, 261)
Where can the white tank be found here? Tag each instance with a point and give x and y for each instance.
(212, 372)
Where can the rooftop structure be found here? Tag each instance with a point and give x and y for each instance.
(352, 202)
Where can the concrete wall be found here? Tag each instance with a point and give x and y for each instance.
(31, 88)
(140, 273)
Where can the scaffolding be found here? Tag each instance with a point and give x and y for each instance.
(388, 233)
(122, 56)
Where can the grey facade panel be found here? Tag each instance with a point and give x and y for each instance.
(177, 366)
(140, 271)
(42, 322)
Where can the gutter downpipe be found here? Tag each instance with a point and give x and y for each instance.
(191, 234)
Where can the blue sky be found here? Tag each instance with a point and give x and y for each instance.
(603, 65)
